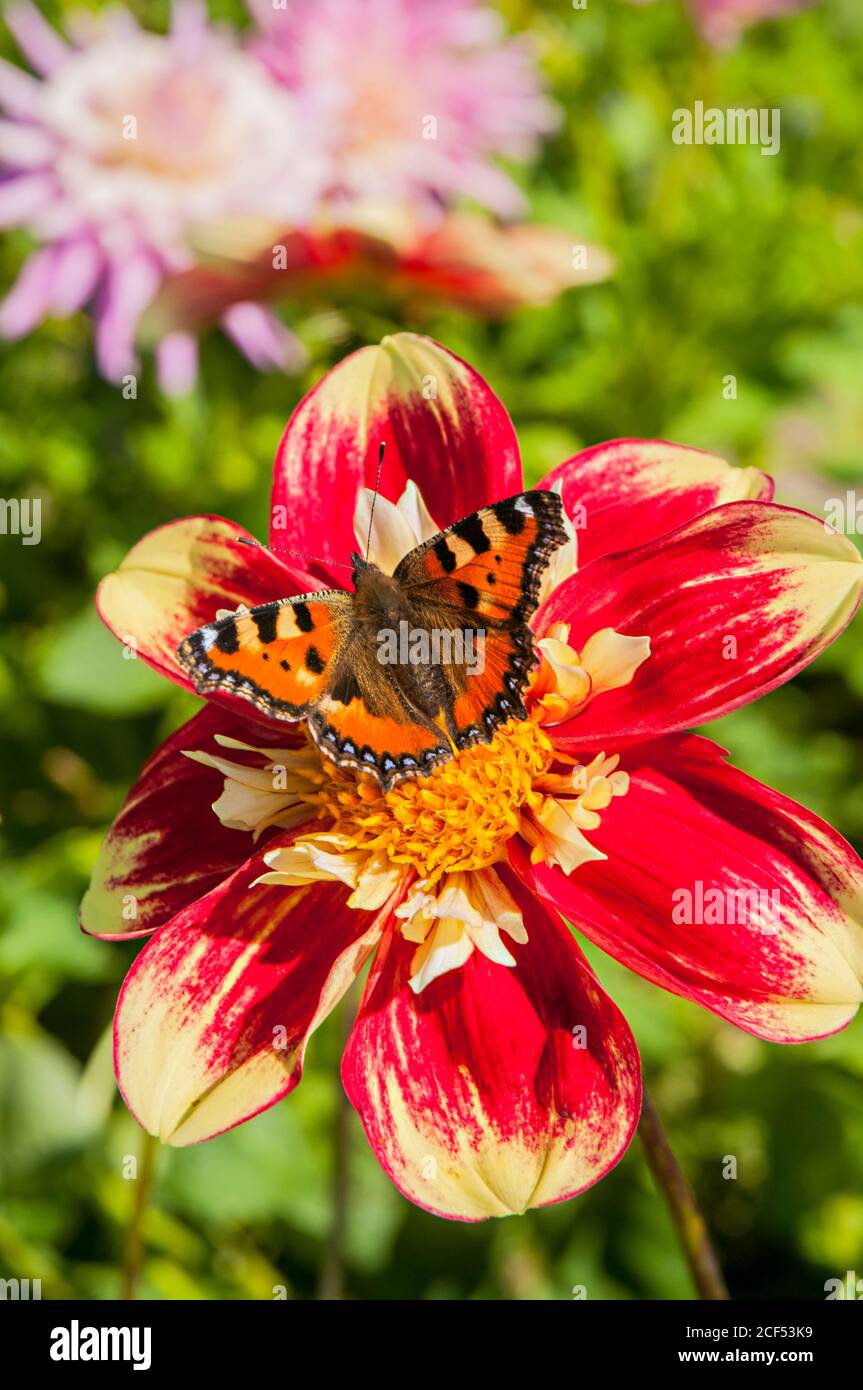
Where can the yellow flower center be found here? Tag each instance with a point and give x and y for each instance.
(458, 818)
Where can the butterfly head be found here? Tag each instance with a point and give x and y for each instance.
(361, 567)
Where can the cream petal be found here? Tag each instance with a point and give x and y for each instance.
(392, 537)
(497, 904)
(564, 562)
(258, 778)
(556, 839)
(412, 506)
(319, 858)
(376, 882)
(572, 681)
(612, 659)
(470, 909)
(447, 948)
(486, 938)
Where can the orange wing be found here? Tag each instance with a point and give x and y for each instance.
(300, 658)
(490, 564)
(481, 577)
(365, 721)
(279, 656)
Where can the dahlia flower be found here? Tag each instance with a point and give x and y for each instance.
(490, 1069)
(416, 98)
(129, 144)
(464, 259)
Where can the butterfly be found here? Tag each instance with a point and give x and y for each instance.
(320, 657)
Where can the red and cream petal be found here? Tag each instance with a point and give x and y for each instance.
(178, 577)
(166, 848)
(497, 1088)
(690, 837)
(733, 603)
(213, 1019)
(442, 424)
(631, 491)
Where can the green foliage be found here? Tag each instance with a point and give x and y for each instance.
(729, 263)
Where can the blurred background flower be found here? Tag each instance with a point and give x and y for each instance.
(390, 254)
(723, 21)
(164, 177)
(417, 98)
(129, 140)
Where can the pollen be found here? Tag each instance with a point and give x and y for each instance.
(458, 818)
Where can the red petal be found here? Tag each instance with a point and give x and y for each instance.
(688, 826)
(213, 1019)
(167, 847)
(176, 578)
(634, 490)
(734, 603)
(442, 424)
(481, 1096)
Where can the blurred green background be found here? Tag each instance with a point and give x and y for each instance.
(729, 262)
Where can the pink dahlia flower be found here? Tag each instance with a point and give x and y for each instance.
(417, 98)
(491, 1071)
(126, 145)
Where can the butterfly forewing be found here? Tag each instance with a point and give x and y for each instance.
(482, 577)
(280, 656)
(491, 563)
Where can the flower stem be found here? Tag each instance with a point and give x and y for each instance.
(331, 1283)
(685, 1213)
(134, 1251)
(332, 1279)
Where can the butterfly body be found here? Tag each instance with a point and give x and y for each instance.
(327, 657)
(383, 606)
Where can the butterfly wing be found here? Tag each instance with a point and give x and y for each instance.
(482, 576)
(367, 722)
(279, 656)
(301, 658)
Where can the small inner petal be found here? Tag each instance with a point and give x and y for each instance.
(568, 680)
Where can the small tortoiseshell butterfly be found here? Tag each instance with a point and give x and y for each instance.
(317, 657)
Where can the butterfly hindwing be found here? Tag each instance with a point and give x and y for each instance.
(482, 577)
(367, 722)
(280, 656)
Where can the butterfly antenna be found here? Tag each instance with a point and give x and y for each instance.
(299, 554)
(375, 497)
